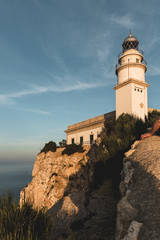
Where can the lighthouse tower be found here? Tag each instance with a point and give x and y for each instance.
(131, 88)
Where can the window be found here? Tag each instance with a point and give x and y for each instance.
(137, 60)
(91, 139)
(72, 140)
(81, 140)
(138, 89)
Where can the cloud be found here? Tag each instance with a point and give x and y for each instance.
(34, 90)
(36, 111)
(4, 99)
(151, 42)
(125, 21)
(9, 98)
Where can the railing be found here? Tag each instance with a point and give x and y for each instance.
(118, 64)
(139, 50)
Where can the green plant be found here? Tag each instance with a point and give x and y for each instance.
(72, 148)
(50, 146)
(63, 143)
(116, 139)
(23, 223)
(119, 134)
(152, 117)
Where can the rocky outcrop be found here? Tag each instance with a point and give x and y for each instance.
(64, 185)
(53, 176)
(138, 211)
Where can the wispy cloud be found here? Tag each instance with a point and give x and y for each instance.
(125, 21)
(37, 111)
(151, 41)
(9, 98)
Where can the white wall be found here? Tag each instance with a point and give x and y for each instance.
(85, 134)
(130, 99)
(131, 72)
(123, 100)
(139, 101)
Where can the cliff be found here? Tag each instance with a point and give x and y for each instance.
(64, 185)
(51, 174)
(138, 211)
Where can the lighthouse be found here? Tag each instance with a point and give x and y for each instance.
(131, 88)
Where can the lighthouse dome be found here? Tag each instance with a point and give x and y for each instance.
(130, 42)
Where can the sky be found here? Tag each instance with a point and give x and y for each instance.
(57, 65)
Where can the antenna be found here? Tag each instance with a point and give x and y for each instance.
(130, 32)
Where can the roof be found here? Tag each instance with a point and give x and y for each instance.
(91, 122)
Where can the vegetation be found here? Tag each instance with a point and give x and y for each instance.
(152, 116)
(63, 143)
(23, 223)
(50, 146)
(116, 139)
(72, 148)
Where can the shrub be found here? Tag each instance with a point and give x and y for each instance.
(116, 139)
(119, 134)
(72, 148)
(152, 117)
(23, 223)
(63, 143)
(50, 146)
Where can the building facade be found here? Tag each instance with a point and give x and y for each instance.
(131, 94)
(87, 131)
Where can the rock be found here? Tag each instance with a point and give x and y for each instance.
(133, 231)
(128, 172)
(68, 211)
(140, 190)
(125, 214)
(64, 186)
(54, 174)
(129, 153)
(135, 144)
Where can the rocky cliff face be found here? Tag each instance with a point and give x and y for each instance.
(138, 212)
(53, 174)
(64, 185)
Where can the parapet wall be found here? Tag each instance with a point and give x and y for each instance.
(90, 122)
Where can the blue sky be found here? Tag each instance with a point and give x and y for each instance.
(57, 65)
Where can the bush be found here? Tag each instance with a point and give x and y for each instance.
(152, 117)
(23, 223)
(51, 146)
(72, 148)
(120, 134)
(63, 143)
(116, 139)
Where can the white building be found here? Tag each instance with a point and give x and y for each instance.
(131, 88)
(131, 94)
(87, 131)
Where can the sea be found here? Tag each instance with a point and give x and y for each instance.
(14, 176)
